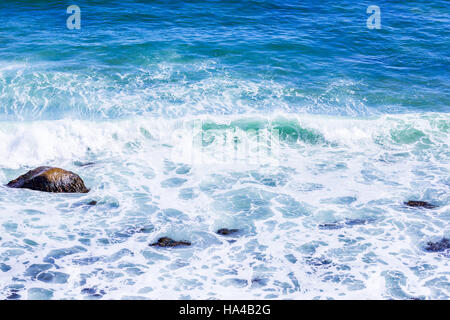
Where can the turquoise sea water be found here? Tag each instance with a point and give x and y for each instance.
(291, 121)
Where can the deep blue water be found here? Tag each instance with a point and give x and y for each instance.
(291, 121)
(297, 56)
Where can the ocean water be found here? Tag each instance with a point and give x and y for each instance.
(290, 121)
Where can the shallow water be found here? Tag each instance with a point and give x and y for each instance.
(291, 122)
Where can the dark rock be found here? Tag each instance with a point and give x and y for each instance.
(226, 232)
(85, 164)
(439, 246)
(167, 242)
(50, 179)
(92, 203)
(419, 204)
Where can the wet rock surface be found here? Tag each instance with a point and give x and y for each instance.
(169, 243)
(438, 246)
(49, 179)
(226, 232)
(419, 204)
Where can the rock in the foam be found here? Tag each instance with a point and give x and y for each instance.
(438, 246)
(420, 204)
(226, 232)
(167, 242)
(49, 179)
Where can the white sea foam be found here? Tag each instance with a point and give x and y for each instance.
(326, 220)
(38, 92)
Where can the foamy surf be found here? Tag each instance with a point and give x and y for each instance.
(324, 219)
(297, 125)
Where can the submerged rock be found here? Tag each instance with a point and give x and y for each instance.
(226, 232)
(50, 179)
(167, 242)
(419, 204)
(439, 246)
(83, 164)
